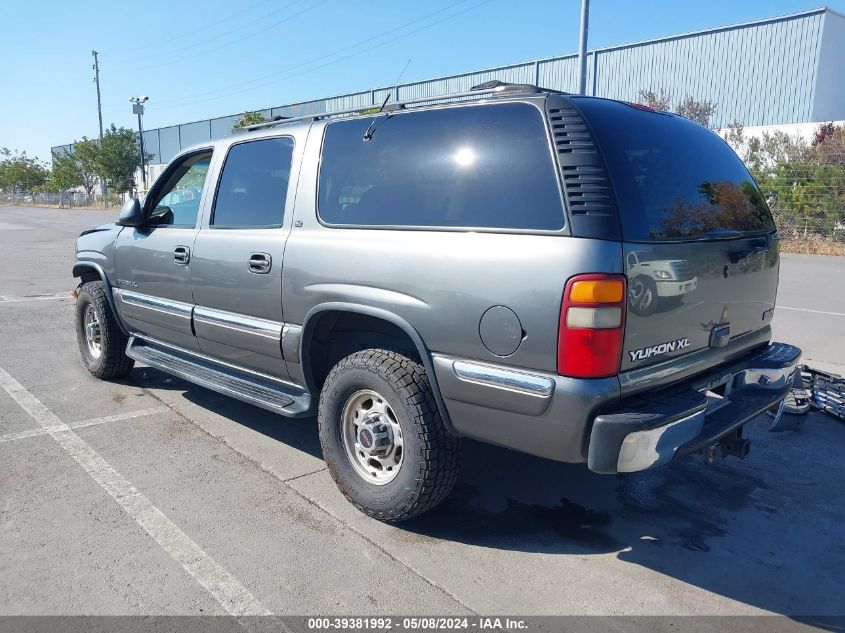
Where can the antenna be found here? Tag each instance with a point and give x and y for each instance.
(372, 127)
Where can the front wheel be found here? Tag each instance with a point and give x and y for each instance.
(383, 439)
(101, 342)
(642, 295)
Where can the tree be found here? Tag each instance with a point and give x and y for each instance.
(828, 146)
(65, 174)
(19, 172)
(655, 100)
(249, 118)
(802, 182)
(86, 153)
(701, 111)
(735, 137)
(118, 158)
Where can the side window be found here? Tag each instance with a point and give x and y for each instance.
(254, 184)
(470, 166)
(177, 203)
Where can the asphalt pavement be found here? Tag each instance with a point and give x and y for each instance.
(151, 496)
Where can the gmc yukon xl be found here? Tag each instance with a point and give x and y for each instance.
(577, 278)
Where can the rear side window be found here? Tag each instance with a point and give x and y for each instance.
(254, 184)
(673, 178)
(473, 166)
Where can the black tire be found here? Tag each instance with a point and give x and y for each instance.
(112, 361)
(642, 295)
(431, 454)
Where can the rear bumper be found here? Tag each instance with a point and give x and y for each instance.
(652, 429)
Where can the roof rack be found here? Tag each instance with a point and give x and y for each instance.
(493, 88)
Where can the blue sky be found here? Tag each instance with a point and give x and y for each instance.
(199, 59)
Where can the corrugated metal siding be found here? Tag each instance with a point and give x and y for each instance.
(760, 73)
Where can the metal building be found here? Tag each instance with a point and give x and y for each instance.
(786, 69)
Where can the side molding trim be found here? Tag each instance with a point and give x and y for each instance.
(149, 302)
(503, 378)
(239, 322)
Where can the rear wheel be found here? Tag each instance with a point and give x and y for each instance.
(101, 342)
(383, 439)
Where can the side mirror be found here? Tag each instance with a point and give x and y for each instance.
(131, 214)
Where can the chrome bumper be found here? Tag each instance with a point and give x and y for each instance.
(653, 428)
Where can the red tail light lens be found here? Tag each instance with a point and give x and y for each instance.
(592, 326)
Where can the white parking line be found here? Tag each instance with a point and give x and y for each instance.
(808, 310)
(61, 295)
(223, 586)
(8, 437)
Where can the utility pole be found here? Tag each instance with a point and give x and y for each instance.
(582, 47)
(97, 81)
(99, 105)
(138, 108)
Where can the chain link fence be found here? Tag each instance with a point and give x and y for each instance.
(67, 200)
(810, 236)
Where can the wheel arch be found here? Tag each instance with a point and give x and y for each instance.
(315, 317)
(92, 271)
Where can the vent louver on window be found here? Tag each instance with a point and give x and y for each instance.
(587, 188)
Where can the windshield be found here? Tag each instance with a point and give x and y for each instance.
(673, 178)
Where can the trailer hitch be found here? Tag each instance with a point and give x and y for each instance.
(731, 444)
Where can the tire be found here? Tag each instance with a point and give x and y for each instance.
(642, 295)
(111, 361)
(430, 455)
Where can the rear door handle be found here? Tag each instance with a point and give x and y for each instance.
(260, 263)
(181, 255)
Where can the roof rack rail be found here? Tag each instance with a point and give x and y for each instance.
(504, 87)
(492, 88)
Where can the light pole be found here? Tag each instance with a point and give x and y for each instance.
(138, 108)
(582, 47)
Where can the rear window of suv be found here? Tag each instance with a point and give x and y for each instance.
(464, 167)
(673, 178)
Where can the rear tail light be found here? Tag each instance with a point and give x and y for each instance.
(592, 326)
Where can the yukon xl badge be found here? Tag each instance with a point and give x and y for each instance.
(657, 350)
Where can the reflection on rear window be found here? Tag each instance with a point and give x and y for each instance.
(673, 179)
(463, 167)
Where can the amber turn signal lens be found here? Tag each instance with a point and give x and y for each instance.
(597, 291)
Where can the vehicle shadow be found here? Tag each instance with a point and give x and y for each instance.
(766, 532)
(299, 433)
(758, 532)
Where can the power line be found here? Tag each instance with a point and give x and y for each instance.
(207, 26)
(214, 49)
(285, 73)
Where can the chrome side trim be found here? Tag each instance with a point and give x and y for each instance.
(503, 378)
(291, 336)
(216, 361)
(239, 322)
(174, 308)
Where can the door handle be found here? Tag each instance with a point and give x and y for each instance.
(181, 255)
(260, 263)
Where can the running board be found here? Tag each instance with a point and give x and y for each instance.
(262, 391)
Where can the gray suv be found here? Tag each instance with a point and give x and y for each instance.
(577, 278)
